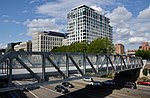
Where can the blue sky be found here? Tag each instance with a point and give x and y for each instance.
(130, 19)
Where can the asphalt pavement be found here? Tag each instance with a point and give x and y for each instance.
(80, 91)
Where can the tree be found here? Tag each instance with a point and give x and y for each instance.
(79, 47)
(145, 72)
(101, 45)
(143, 53)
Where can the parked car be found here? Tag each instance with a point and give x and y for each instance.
(61, 89)
(144, 83)
(109, 82)
(94, 84)
(131, 85)
(88, 79)
(68, 84)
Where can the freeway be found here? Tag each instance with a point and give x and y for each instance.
(80, 91)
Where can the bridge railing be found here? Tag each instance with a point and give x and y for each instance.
(42, 64)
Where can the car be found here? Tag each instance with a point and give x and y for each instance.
(88, 79)
(68, 84)
(61, 89)
(94, 84)
(144, 83)
(109, 82)
(131, 85)
(78, 75)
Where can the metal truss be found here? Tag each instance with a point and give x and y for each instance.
(65, 64)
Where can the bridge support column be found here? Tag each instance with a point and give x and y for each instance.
(67, 65)
(97, 67)
(84, 64)
(43, 67)
(10, 72)
(107, 63)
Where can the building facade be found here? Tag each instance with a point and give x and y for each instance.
(87, 24)
(10, 46)
(119, 49)
(144, 46)
(26, 46)
(45, 41)
(131, 52)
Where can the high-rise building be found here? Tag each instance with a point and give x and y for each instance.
(87, 24)
(45, 41)
(119, 49)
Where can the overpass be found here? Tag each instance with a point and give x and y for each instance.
(41, 65)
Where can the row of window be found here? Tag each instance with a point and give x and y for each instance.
(51, 38)
(86, 18)
(87, 12)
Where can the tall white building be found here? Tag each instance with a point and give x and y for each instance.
(45, 41)
(87, 24)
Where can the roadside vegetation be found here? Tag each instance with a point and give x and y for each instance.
(145, 79)
(100, 45)
(111, 76)
(145, 54)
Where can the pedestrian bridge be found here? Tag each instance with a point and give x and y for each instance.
(41, 65)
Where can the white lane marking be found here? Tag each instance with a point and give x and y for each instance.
(50, 90)
(55, 91)
(18, 82)
(28, 90)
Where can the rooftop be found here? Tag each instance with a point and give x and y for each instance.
(53, 33)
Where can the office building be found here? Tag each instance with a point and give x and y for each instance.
(119, 49)
(25, 46)
(87, 24)
(131, 52)
(46, 40)
(10, 46)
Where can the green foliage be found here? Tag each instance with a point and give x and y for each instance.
(145, 72)
(100, 45)
(108, 76)
(143, 53)
(78, 47)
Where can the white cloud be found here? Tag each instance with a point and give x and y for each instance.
(60, 8)
(57, 11)
(127, 30)
(32, 1)
(133, 40)
(2, 46)
(42, 25)
(119, 16)
(99, 9)
(5, 16)
(6, 21)
(16, 22)
(25, 11)
(145, 13)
